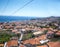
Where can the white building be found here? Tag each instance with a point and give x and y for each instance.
(38, 32)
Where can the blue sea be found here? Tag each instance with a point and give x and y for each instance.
(14, 18)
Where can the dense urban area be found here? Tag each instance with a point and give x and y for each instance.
(37, 32)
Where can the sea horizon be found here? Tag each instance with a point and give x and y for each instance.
(18, 18)
(14, 18)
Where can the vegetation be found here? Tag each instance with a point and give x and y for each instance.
(27, 36)
(45, 31)
(52, 25)
(18, 35)
(56, 38)
(44, 27)
(5, 36)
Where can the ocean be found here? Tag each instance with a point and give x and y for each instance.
(14, 18)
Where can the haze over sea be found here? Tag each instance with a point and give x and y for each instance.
(13, 18)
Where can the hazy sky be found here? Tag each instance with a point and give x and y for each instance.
(38, 8)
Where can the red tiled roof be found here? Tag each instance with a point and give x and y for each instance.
(12, 43)
(42, 46)
(54, 44)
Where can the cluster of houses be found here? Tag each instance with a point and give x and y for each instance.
(35, 27)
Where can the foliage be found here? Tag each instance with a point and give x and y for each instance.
(56, 38)
(4, 36)
(27, 36)
(18, 35)
(45, 31)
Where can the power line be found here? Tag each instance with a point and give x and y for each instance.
(22, 7)
(6, 6)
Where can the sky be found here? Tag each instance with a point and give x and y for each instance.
(36, 8)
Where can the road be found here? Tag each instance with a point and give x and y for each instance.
(19, 40)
